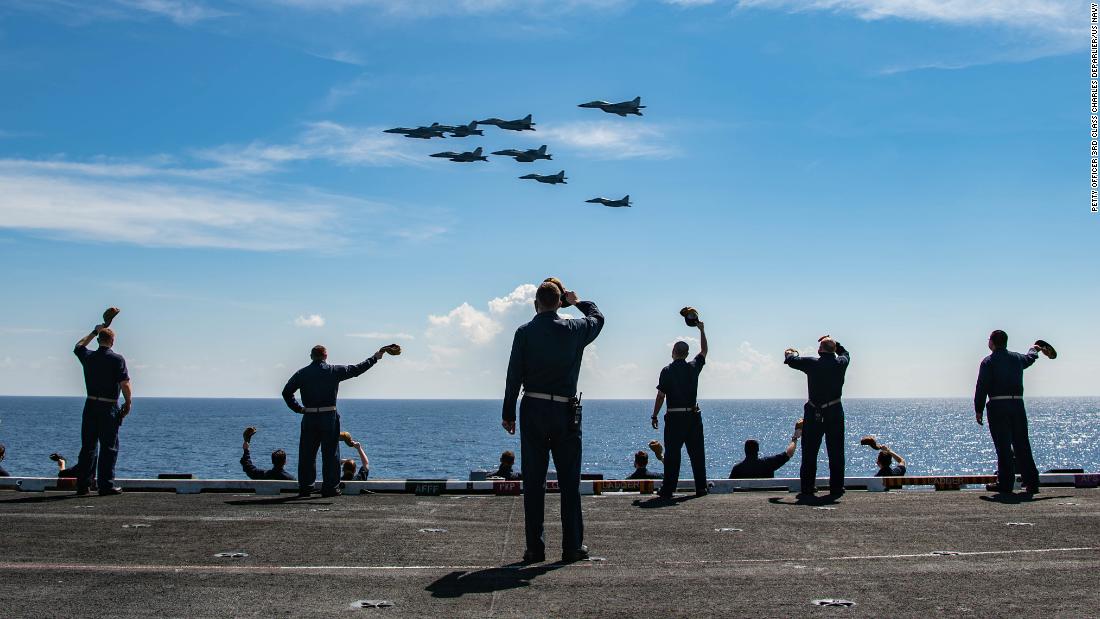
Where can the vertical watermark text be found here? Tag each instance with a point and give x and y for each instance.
(1094, 107)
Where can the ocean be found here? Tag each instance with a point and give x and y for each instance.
(449, 438)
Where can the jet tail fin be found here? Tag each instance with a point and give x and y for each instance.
(527, 118)
(626, 198)
(477, 151)
(542, 149)
(637, 101)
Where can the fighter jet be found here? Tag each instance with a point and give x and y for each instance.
(526, 156)
(423, 133)
(523, 124)
(466, 157)
(622, 108)
(550, 179)
(464, 131)
(612, 203)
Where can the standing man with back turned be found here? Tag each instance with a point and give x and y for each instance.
(319, 383)
(104, 376)
(823, 413)
(546, 361)
(679, 383)
(1001, 380)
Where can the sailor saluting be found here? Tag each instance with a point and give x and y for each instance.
(546, 362)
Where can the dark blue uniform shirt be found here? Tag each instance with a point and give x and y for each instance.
(320, 381)
(825, 374)
(643, 473)
(254, 472)
(3, 473)
(506, 473)
(104, 369)
(546, 354)
(679, 381)
(759, 468)
(1001, 373)
(892, 471)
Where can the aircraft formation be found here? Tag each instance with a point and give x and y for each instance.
(529, 155)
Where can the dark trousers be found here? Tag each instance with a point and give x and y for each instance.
(1008, 427)
(544, 430)
(319, 431)
(831, 428)
(98, 429)
(684, 429)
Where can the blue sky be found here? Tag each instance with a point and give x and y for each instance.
(904, 176)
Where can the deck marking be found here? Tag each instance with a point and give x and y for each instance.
(35, 566)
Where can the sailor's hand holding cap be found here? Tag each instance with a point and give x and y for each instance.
(790, 352)
(346, 437)
(658, 450)
(869, 441)
(1044, 347)
(797, 430)
(570, 298)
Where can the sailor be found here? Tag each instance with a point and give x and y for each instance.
(641, 467)
(1000, 389)
(546, 361)
(823, 412)
(507, 467)
(885, 461)
(319, 383)
(348, 466)
(105, 375)
(64, 471)
(755, 467)
(278, 462)
(679, 386)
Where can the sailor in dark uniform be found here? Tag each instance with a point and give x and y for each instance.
(546, 362)
(755, 467)
(105, 375)
(679, 384)
(1000, 389)
(349, 473)
(823, 412)
(506, 469)
(277, 470)
(319, 383)
(641, 467)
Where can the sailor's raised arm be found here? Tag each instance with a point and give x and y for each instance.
(1031, 356)
(794, 360)
(593, 318)
(344, 372)
(842, 354)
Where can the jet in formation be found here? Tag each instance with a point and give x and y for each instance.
(623, 108)
(525, 156)
(625, 201)
(523, 124)
(550, 179)
(465, 157)
(463, 131)
(423, 133)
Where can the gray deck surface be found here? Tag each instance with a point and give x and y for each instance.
(62, 555)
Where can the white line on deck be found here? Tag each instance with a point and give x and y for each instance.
(19, 566)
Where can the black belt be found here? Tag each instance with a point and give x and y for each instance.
(683, 409)
(825, 405)
(113, 400)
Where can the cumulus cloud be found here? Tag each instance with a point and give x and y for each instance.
(609, 139)
(311, 321)
(522, 296)
(471, 324)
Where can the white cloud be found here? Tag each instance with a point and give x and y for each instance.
(311, 321)
(328, 141)
(689, 2)
(375, 335)
(471, 324)
(182, 12)
(435, 8)
(522, 296)
(609, 139)
(1058, 14)
(158, 214)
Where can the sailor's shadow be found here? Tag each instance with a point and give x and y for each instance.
(46, 499)
(1016, 499)
(283, 500)
(512, 576)
(814, 501)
